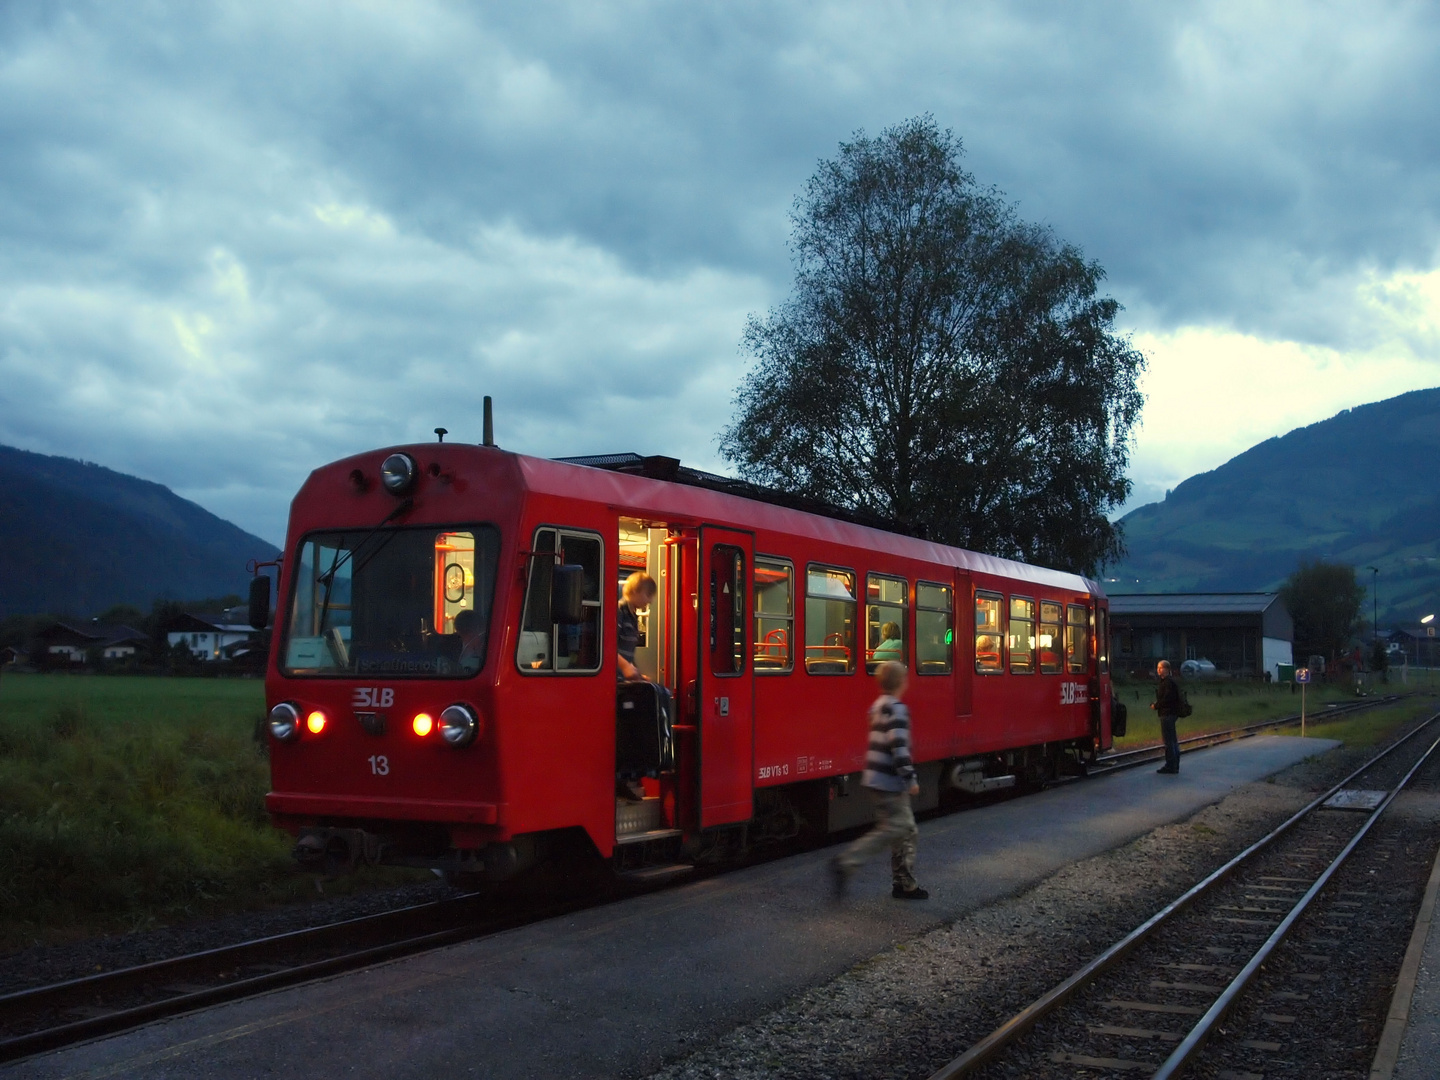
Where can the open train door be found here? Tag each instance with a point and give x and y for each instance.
(725, 689)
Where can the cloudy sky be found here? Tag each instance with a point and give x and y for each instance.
(238, 240)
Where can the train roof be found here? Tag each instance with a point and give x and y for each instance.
(662, 487)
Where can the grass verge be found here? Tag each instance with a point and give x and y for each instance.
(130, 802)
(1222, 705)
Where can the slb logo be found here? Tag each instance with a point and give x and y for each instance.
(1074, 693)
(373, 697)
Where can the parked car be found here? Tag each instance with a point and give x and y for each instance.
(1198, 668)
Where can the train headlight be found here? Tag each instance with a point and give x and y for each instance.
(398, 473)
(423, 724)
(459, 725)
(315, 722)
(285, 722)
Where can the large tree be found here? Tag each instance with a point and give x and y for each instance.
(940, 362)
(1325, 601)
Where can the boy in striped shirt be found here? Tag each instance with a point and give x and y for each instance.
(890, 777)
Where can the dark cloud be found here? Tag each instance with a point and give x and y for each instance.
(241, 239)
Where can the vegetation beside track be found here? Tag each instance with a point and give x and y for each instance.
(130, 802)
(1222, 704)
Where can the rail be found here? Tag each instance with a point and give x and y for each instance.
(990, 1046)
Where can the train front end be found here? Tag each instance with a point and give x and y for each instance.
(381, 679)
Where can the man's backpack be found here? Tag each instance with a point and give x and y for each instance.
(1184, 708)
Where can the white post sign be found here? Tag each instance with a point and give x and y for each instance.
(1302, 676)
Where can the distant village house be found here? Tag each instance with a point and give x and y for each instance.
(72, 643)
(210, 637)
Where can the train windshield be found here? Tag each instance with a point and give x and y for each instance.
(392, 602)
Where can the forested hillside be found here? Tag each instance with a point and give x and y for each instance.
(77, 538)
(1362, 487)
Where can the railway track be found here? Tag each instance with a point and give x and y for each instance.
(1144, 755)
(48, 1017)
(45, 1018)
(1283, 916)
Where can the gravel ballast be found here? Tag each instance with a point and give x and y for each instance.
(908, 1011)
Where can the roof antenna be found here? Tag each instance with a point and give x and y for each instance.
(442, 432)
(489, 424)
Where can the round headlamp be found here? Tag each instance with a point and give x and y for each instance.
(285, 722)
(459, 725)
(398, 473)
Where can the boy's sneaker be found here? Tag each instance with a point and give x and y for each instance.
(916, 893)
(839, 877)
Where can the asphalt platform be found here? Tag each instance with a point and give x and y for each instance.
(619, 990)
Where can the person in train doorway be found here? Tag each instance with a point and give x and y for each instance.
(891, 780)
(637, 594)
(1167, 707)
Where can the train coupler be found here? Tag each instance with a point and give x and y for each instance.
(333, 851)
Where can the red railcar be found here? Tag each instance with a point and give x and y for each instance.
(406, 730)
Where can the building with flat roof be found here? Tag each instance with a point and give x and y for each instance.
(1240, 633)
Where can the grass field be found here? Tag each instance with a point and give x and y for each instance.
(1220, 705)
(131, 801)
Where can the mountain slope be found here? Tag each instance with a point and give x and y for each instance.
(1362, 488)
(78, 538)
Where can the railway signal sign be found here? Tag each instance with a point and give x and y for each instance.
(1302, 674)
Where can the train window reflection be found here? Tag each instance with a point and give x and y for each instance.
(1022, 636)
(727, 610)
(774, 616)
(830, 608)
(546, 646)
(1077, 646)
(988, 658)
(398, 601)
(934, 628)
(1050, 662)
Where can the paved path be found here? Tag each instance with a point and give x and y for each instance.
(618, 990)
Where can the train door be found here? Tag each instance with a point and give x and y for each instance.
(724, 687)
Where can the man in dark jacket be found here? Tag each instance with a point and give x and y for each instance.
(1167, 707)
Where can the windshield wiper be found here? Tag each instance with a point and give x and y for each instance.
(328, 578)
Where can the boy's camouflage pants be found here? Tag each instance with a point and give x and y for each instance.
(895, 829)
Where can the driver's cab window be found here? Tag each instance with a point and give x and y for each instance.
(554, 638)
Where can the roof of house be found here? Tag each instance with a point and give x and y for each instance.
(92, 633)
(1192, 603)
(190, 622)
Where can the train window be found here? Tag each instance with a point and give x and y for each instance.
(393, 602)
(1050, 662)
(830, 604)
(546, 646)
(934, 628)
(886, 601)
(1022, 636)
(1077, 645)
(988, 659)
(727, 610)
(1102, 640)
(774, 616)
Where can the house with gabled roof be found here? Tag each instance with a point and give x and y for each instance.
(71, 642)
